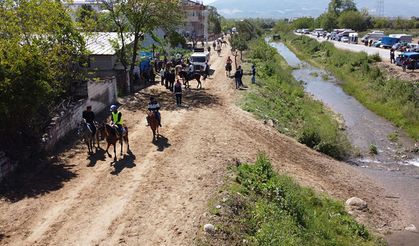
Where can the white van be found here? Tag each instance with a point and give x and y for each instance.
(198, 60)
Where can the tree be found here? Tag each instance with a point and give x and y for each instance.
(353, 20)
(40, 52)
(238, 42)
(336, 7)
(327, 21)
(136, 18)
(303, 23)
(214, 19)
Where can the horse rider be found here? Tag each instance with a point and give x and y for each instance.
(154, 106)
(89, 116)
(116, 119)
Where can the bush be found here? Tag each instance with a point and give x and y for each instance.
(265, 208)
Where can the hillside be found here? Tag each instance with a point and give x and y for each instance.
(290, 8)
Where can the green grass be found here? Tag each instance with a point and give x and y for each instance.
(279, 97)
(264, 208)
(391, 98)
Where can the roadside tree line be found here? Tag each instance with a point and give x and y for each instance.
(345, 14)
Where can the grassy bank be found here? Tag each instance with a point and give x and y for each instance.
(391, 98)
(280, 98)
(261, 207)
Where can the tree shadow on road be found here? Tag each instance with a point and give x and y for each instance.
(161, 142)
(99, 155)
(195, 98)
(126, 162)
(33, 180)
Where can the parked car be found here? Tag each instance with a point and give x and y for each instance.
(408, 55)
(377, 44)
(344, 39)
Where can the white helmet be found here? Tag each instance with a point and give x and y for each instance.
(113, 108)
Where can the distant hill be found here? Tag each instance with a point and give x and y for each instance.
(293, 8)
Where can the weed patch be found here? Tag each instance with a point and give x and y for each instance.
(264, 208)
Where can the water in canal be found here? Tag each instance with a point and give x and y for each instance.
(363, 127)
(395, 167)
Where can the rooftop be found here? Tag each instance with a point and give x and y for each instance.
(103, 43)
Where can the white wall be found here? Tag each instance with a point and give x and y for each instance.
(100, 96)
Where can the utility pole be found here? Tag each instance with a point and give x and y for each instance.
(380, 8)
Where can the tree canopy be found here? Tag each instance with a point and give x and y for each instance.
(40, 53)
(139, 17)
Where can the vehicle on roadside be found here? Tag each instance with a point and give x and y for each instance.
(199, 60)
(375, 36)
(344, 33)
(412, 47)
(401, 46)
(353, 38)
(408, 55)
(377, 44)
(344, 39)
(388, 42)
(402, 37)
(306, 31)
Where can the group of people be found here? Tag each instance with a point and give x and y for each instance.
(116, 117)
(238, 75)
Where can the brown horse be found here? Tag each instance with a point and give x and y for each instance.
(112, 138)
(153, 123)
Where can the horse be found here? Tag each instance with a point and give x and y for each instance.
(228, 68)
(153, 123)
(188, 77)
(112, 138)
(85, 131)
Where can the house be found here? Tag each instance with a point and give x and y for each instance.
(196, 20)
(103, 62)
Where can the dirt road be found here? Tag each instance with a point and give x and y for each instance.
(158, 193)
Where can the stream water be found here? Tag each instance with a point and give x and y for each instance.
(396, 165)
(363, 127)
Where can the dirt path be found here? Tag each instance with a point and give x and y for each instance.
(158, 193)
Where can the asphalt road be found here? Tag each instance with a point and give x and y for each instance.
(383, 53)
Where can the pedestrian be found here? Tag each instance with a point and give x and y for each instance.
(412, 63)
(253, 74)
(370, 42)
(171, 78)
(178, 93)
(206, 71)
(404, 63)
(238, 77)
(392, 56)
(162, 75)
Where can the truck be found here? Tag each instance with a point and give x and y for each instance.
(199, 60)
(388, 42)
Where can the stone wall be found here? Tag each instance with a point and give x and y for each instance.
(101, 95)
